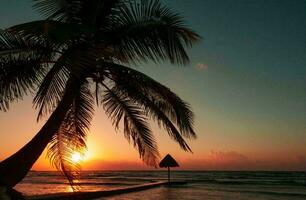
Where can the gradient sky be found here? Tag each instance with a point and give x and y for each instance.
(246, 83)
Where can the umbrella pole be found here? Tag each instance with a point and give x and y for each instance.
(168, 174)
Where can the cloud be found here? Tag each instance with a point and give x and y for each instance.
(201, 66)
(227, 156)
(229, 160)
(219, 160)
(232, 160)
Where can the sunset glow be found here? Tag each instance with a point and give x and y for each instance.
(153, 99)
(246, 86)
(76, 157)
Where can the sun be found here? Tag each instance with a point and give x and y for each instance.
(76, 157)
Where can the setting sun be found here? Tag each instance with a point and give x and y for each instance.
(76, 157)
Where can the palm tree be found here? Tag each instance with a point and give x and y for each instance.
(82, 54)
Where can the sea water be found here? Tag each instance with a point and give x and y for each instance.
(207, 185)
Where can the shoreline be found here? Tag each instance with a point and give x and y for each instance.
(98, 194)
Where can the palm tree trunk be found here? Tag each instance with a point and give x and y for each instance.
(15, 168)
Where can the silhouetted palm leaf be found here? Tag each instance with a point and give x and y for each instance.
(58, 32)
(58, 9)
(18, 77)
(173, 106)
(51, 89)
(71, 136)
(21, 69)
(152, 110)
(147, 30)
(12, 44)
(118, 106)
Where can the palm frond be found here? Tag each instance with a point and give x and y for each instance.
(83, 110)
(71, 136)
(153, 110)
(14, 44)
(63, 10)
(21, 67)
(146, 29)
(60, 151)
(118, 106)
(51, 89)
(17, 78)
(167, 101)
(58, 32)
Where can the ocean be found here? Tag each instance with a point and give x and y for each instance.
(206, 185)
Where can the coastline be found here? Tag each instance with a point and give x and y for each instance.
(152, 185)
(98, 194)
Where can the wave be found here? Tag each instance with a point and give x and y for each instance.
(222, 178)
(251, 182)
(263, 192)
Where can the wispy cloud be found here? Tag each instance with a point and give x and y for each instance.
(232, 160)
(201, 66)
(227, 156)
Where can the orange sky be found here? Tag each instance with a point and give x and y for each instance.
(108, 150)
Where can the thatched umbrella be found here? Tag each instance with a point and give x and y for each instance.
(168, 162)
